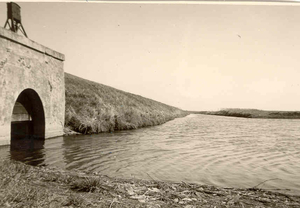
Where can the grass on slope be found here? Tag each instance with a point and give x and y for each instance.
(93, 108)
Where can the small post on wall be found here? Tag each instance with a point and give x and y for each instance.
(14, 18)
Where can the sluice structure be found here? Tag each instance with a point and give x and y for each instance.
(32, 90)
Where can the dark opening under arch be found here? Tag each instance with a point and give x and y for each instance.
(28, 121)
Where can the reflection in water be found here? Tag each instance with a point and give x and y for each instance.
(75, 146)
(28, 150)
(221, 151)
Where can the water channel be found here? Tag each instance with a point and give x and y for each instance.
(203, 149)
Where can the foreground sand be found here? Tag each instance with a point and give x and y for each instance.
(26, 186)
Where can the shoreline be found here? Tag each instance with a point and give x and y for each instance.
(28, 186)
(68, 131)
(252, 113)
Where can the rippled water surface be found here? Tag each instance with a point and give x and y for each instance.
(222, 151)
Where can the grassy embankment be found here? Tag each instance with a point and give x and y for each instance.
(27, 186)
(93, 108)
(253, 113)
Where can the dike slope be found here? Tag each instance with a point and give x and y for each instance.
(93, 108)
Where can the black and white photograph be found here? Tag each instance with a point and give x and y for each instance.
(150, 104)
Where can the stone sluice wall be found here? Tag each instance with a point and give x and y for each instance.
(26, 66)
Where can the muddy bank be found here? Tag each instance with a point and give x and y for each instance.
(28, 186)
(69, 132)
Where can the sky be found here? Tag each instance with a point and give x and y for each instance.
(195, 56)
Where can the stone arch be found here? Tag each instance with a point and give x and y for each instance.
(28, 119)
(37, 70)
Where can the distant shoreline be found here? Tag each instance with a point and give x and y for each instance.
(252, 113)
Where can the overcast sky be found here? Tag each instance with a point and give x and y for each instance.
(192, 56)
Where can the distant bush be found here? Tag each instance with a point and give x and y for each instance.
(234, 114)
(93, 108)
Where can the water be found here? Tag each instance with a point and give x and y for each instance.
(213, 150)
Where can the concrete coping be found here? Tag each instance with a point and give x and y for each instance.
(14, 37)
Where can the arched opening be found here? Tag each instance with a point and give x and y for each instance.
(28, 121)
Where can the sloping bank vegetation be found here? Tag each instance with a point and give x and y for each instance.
(93, 108)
